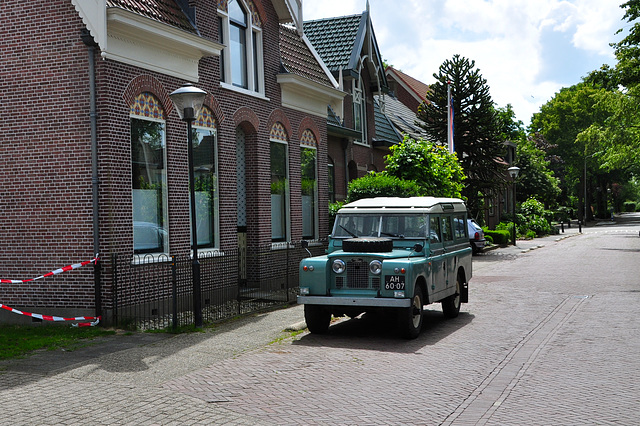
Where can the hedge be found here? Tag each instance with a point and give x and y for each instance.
(498, 237)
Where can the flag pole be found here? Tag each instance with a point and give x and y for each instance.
(449, 119)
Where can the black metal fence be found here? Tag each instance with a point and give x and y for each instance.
(156, 292)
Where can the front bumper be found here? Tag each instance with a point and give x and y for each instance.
(355, 301)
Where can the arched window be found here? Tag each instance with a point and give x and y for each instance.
(149, 175)
(205, 169)
(240, 30)
(279, 183)
(309, 184)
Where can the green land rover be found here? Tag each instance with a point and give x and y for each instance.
(393, 256)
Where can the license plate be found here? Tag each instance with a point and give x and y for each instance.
(394, 282)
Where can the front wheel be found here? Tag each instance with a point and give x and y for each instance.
(317, 318)
(410, 319)
(451, 305)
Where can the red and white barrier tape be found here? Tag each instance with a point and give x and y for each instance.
(56, 272)
(94, 320)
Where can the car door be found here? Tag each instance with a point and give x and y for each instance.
(436, 258)
(449, 250)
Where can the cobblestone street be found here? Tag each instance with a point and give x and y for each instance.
(550, 336)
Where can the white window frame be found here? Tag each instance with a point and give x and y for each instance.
(165, 185)
(316, 216)
(216, 204)
(287, 196)
(254, 88)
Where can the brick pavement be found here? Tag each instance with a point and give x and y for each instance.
(550, 337)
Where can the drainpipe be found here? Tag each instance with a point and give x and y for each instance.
(88, 40)
(345, 146)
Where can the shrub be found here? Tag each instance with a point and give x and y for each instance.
(530, 235)
(629, 206)
(488, 238)
(498, 237)
(380, 185)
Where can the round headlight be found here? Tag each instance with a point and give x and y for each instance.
(338, 266)
(375, 267)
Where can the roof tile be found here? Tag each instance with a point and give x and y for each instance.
(297, 58)
(334, 39)
(165, 11)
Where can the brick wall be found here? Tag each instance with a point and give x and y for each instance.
(45, 179)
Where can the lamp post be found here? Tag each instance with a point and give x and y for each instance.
(188, 101)
(513, 172)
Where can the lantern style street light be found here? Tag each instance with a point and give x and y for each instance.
(513, 172)
(188, 101)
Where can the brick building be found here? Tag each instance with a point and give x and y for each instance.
(359, 134)
(94, 155)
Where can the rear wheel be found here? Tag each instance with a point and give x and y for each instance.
(317, 318)
(410, 319)
(451, 305)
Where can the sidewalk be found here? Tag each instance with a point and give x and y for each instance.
(124, 355)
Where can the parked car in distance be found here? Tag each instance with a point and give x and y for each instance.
(476, 236)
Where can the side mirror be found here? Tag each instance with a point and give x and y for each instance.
(418, 247)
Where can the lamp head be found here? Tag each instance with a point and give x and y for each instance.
(188, 101)
(513, 171)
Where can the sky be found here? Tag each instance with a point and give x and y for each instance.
(527, 50)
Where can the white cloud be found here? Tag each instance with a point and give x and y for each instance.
(504, 37)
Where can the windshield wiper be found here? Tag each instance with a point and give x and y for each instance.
(348, 232)
(388, 234)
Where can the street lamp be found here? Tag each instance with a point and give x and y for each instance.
(513, 172)
(188, 101)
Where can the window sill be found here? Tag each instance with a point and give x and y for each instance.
(247, 92)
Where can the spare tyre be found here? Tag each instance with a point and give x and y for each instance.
(368, 245)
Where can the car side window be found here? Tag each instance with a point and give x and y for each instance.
(460, 228)
(434, 230)
(447, 233)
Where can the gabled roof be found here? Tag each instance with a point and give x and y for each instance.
(343, 42)
(165, 11)
(334, 39)
(298, 59)
(417, 88)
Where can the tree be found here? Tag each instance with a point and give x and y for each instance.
(415, 167)
(627, 50)
(570, 112)
(431, 166)
(477, 137)
(536, 179)
(510, 128)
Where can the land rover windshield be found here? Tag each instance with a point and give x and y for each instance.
(395, 226)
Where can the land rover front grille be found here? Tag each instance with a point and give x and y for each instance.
(357, 276)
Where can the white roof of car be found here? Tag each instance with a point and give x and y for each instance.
(405, 205)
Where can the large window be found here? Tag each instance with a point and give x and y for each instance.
(279, 184)
(149, 176)
(240, 31)
(206, 178)
(359, 111)
(309, 184)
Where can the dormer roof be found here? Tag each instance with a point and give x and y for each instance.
(415, 87)
(346, 44)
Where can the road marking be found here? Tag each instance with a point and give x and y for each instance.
(495, 388)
